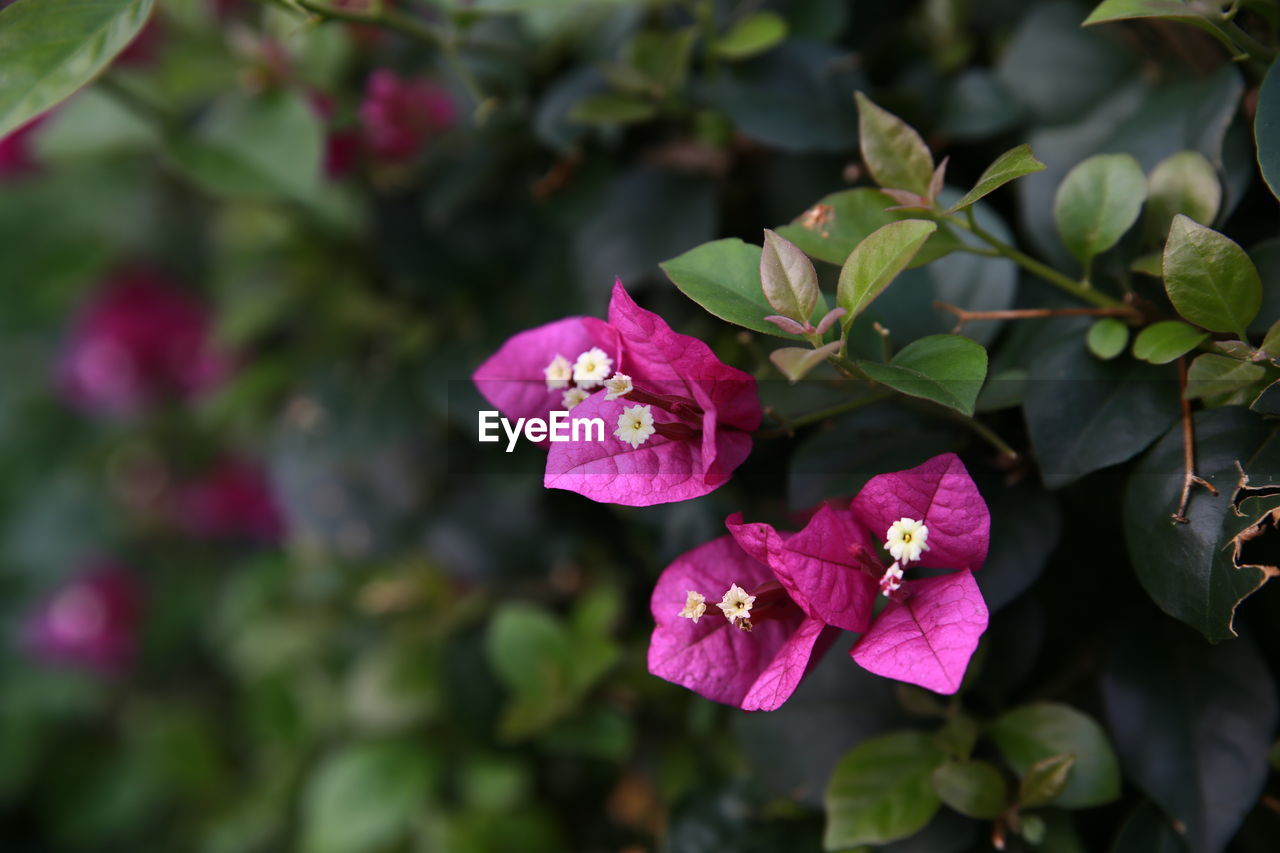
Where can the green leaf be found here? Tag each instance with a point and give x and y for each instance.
(365, 797)
(1188, 569)
(1271, 341)
(724, 278)
(850, 216)
(254, 146)
(796, 362)
(1209, 278)
(1192, 723)
(53, 47)
(947, 369)
(751, 36)
(612, 108)
(1266, 129)
(1184, 183)
(1151, 264)
(1161, 343)
(876, 262)
(662, 57)
(1167, 10)
(1033, 733)
(881, 791)
(973, 788)
(1097, 202)
(896, 156)
(1009, 166)
(1107, 338)
(1045, 780)
(958, 736)
(788, 278)
(1223, 381)
(1150, 830)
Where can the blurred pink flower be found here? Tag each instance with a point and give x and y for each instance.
(138, 341)
(399, 116)
(233, 501)
(91, 622)
(16, 156)
(342, 144)
(144, 50)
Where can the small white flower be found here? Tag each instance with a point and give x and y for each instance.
(635, 425)
(592, 367)
(736, 606)
(906, 539)
(558, 373)
(695, 604)
(892, 580)
(618, 386)
(573, 397)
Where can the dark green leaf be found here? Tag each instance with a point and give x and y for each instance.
(53, 47)
(1149, 830)
(1188, 569)
(973, 788)
(958, 735)
(612, 109)
(1161, 343)
(1223, 381)
(751, 36)
(1045, 780)
(662, 58)
(1097, 203)
(844, 220)
(724, 278)
(1268, 402)
(1107, 338)
(1084, 414)
(1266, 129)
(881, 791)
(946, 369)
(876, 261)
(1192, 722)
(1210, 279)
(896, 156)
(1009, 166)
(1033, 733)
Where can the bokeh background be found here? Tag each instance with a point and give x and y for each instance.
(260, 590)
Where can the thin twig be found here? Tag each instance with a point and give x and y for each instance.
(791, 425)
(1189, 477)
(965, 316)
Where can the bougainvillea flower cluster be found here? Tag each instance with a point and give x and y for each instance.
(232, 502)
(139, 341)
(785, 593)
(680, 420)
(398, 116)
(90, 622)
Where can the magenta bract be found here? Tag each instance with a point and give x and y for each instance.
(233, 501)
(755, 670)
(91, 622)
(399, 116)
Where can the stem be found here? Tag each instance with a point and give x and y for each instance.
(985, 432)
(1189, 477)
(1031, 265)
(964, 316)
(846, 366)
(822, 415)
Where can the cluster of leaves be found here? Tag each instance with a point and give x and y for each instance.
(991, 231)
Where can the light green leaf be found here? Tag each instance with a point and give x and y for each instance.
(1045, 780)
(1009, 166)
(1210, 280)
(1223, 380)
(973, 788)
(1032, 733)
(51, 48)
(662, 57)
(724, 278)
(1168, 10)
(612, 109)
(796, 362)
(751, 36)
(1107, 338)
(881, 791)
(1097, 202)
(254, 146)
(876, 261)
(947, 369)
(1271, 341)
(1161, 343)
(1182, 183)
(788, 278)
(894, 153)
(844, 219)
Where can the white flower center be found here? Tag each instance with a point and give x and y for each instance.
(635, 425)
(906, 539)
(558, 373)
(592, 367)
(695, 604)
(618, 386)
(892, 580)
(736, 606)
(573, 397)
